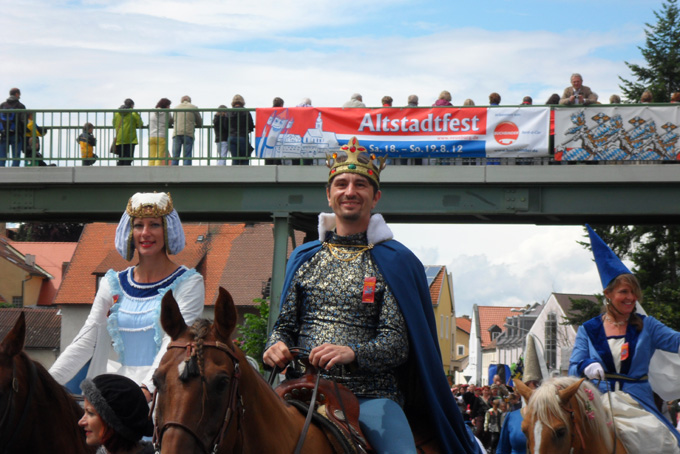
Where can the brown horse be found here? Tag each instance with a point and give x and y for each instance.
(38, 414)
(209, 399)
(565, 416)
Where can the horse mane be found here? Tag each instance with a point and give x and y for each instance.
(194, 366)
(545, 403)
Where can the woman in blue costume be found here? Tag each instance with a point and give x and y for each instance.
(126, 308)
(615, 349)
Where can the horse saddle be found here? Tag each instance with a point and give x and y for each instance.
(337, 409)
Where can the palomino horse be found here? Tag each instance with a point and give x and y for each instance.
(38, 414)
(565, 416)
(209, 399)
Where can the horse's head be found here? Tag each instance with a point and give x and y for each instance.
(197, 380)
(564, 415)
(11, 346)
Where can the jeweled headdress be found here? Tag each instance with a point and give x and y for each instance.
(353, 158)
(150, 205)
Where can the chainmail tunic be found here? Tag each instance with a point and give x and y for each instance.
(323, 305)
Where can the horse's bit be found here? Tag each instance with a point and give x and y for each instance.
(235, 405)
(4, 422)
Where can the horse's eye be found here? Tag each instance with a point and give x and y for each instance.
(156, 380)
(560, 433)
(221, 383)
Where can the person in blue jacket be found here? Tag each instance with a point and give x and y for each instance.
(615, 348)
(359, 302)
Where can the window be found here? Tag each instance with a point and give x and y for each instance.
(17, 301)
(551, 341)
(461, 350)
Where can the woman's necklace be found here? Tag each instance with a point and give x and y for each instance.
(335, 249)
(614, 322)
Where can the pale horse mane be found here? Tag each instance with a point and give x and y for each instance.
(545, 403)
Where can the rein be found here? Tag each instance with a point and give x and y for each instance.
(4, 422)
(235, 405)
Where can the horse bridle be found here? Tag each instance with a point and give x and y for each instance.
(234, 407)
(14, 392)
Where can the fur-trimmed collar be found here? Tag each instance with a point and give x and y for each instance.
(377, 232)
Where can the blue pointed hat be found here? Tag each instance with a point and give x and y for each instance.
(609, 265)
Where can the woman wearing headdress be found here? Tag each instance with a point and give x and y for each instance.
(126, 308)
(615, 349)
(116, 415)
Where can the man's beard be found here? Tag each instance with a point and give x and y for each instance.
(350, 216)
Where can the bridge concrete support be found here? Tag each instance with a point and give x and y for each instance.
(282, 231)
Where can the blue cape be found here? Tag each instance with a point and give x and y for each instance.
(426, 388)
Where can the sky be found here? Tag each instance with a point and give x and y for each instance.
(70, 54)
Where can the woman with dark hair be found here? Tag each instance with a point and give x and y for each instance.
(159, 122)
(116, 415)
(221, 128)
(553, 100)
(240, 125)
(126, 122)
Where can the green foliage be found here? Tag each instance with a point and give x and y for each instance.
(582, 310)
(254, 330)
(655, 253)
(6, 305)
(661, 74)
(47, 231)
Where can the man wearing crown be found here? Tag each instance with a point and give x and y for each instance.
(359, 302)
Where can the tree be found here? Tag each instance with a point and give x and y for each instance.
(655, 252)
(582, 310)
(661, 74)
(254, 331)
(46, 231)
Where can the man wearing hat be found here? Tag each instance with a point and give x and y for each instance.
(615, 349)
(359, 302)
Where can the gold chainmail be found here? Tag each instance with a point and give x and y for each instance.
(336, 249)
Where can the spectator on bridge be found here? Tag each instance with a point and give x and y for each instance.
(614, 99)
(386, 101)
(578, 93)
(278, 102)
(527, 101)
(355, 101)
(240, 126)
(646, 97)
(221, 128)
(494, 99)
(444, 100)
(31, 144)
(185, 126)
(412, 101)
(87, 142)
(553, 100)
(126, 122)
(468, 102)
(125, 313)
(12, 128)
(306, 102)
(159, 123)
(675, 97)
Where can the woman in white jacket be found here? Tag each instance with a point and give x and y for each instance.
(125, 314)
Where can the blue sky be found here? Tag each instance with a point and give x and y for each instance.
(96, 53)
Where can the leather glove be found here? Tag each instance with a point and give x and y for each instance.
(594, 371)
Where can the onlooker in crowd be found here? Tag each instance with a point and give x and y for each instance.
(675, 97)
(646, 97)
(278, 102)
(527, 101)
(12, 128)
(355, 101)
(87, 142)
(306, 102)
(578, 93)
(614, 99)
(494, 99)
(483, 406)
(553, 100)
(468, 102)
(240, 125)
(221, 128)
(514, 401)
(159, 122)
(31, 144)
(502, 389)
(412, 101)
(386, 101)
(443, 100)
(126, 122)
(185, 126)
(492, 425)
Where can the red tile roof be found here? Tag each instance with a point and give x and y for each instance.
(464, 324)
(43, 326)
(13, 255)
(50, 257)
(436, 286)
(492, 315)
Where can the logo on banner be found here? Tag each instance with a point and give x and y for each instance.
(506, 133)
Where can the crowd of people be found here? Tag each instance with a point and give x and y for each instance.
(232, 128)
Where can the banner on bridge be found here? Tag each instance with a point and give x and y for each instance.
(442, 132)
(635, 133)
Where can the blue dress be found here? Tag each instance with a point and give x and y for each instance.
(512, 439)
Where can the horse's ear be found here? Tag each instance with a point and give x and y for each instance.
(171, 318)
(567, 393)
(225, 315)
(522, 389)
(13, 342)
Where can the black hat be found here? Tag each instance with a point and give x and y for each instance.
(120, 402)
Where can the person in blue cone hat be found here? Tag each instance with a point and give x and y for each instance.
(614, 350)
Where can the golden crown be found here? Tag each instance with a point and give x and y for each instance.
(149, 205)
(355, 159)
